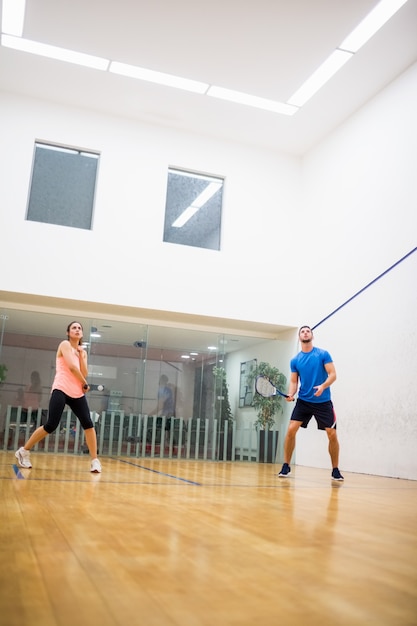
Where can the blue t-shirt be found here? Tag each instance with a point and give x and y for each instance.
(311, 371)
(166, 398)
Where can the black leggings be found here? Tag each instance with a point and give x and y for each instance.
(57, 404)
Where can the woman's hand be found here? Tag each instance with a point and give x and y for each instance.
(83, 361)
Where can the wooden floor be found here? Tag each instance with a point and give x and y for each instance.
(193, 543)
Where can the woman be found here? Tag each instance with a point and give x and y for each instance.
(69, 387)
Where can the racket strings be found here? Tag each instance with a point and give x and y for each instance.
(265, 387)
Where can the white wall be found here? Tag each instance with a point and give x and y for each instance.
(125, 249)
(360, 191)
(359, 199)
(373, 341)
(349, 212)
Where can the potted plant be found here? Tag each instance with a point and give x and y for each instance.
(222, 411)
(267, 409)
(3, 373)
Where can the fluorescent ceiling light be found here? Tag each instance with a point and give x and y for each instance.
(201, 199)
(185, 216)
(383, 11)
(252, 101)
(206, 194)
(13, 17)
(52, 52)
(326, 70)
(160, 78)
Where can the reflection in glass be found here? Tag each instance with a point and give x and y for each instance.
(126, 363)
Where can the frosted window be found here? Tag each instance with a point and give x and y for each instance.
(63, 186)
(193, 209)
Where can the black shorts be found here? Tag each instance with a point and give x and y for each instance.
(323, 412)
(78, 406)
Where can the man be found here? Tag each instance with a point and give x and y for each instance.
(166, 400)
(314, 369)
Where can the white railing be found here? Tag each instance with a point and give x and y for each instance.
(121, 434)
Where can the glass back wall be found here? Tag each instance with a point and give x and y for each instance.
(145, 370)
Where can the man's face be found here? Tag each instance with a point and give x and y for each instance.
(306, 335)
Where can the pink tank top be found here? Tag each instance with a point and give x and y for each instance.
(65, 381)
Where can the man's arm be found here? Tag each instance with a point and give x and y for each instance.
(293, 386)
(331, 377)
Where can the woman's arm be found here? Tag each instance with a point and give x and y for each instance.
(83, 361)
(66, 351)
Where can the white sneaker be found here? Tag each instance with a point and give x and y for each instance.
(23, 457)
(95, 466)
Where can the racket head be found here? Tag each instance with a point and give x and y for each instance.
(264, 387)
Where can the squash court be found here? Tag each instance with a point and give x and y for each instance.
(193, 543)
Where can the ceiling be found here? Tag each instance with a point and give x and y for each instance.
(266, 48)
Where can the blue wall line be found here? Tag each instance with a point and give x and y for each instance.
(364, 288)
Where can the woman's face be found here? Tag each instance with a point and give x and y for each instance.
(75, 331)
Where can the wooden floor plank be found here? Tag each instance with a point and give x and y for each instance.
(191, 543)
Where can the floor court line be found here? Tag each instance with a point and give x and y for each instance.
(274, 482)
(294, 486)
(17, 472)
(31, 476)
(104, 480)
(150, 469)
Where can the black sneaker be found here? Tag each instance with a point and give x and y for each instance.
(336, 475)
(285, 470)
